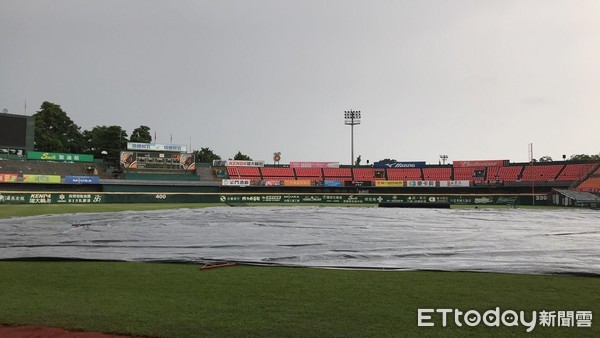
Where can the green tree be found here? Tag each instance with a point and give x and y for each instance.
(241, 157)
(358, 160)
(387, 160)
(141, 134)
(546, 159)
(111, 139)
(584, 157)
(205, 155)
(56, 132)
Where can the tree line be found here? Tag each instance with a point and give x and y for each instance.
(56, 132)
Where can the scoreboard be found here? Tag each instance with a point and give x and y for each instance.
(157, 161)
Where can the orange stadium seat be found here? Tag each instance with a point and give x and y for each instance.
(541, 173)
(244, 172)
(337, 173)
(437, 174)
(592, 184)
(506, 174)
(405, 174)
(467, 174)
(574, 172)
(309, 172)
(283, 172)
(368, 174)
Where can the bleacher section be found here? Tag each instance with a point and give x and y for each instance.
(313, 174)
(504, 174)
(468, 174)
(574, 172)
(592, 183)
(480, 175)
(368, 174)
(250, 173)
(437, 174)
(281, 174)
(404, 174)
(541, 173)
(341, 174)
(46, 168)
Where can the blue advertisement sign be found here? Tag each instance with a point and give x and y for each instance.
(332, 183)
(82, 179)
(399, 165)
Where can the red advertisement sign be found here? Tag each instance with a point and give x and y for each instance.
(479, 163)
(8, 177)
(314, 164)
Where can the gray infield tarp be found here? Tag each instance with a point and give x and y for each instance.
(500, 240)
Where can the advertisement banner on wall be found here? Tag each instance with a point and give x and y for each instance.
(332, 183)
(358, 183)
(177, 148)
(41, 178)
(237, 183)
(389, 183)
(297, 183)
(314, 164)
(61, 157)
(82, 179)
(244, 163)
(455, 184)
(417, 184)
(271, 183)
(128, 160)
(11, 178)
(480, 163)
(187, 161)
(420, 164)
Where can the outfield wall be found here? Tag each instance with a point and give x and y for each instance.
(267, 198)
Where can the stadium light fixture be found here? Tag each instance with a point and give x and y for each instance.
(444, 158)
(351, 118)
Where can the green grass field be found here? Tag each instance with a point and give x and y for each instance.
(175, 300)
(180, 300)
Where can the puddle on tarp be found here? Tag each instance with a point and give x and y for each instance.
(500, 240)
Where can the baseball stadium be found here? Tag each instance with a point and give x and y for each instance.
(156, 244)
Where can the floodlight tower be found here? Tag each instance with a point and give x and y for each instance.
(352, 118)
(444, 158)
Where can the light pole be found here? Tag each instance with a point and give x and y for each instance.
(352, 118)
(531, 160)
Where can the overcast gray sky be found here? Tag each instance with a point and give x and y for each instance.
(471, 79)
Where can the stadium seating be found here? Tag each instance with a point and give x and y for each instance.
(592, 183)
(337, 174)
(468, 174)
(505, 174)
(437, 174)
(574, 172)
(368, 174)
(44, 168)
(541, 173)
(274, 172)
(309, 173)
(404, 174)
(244, 173)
